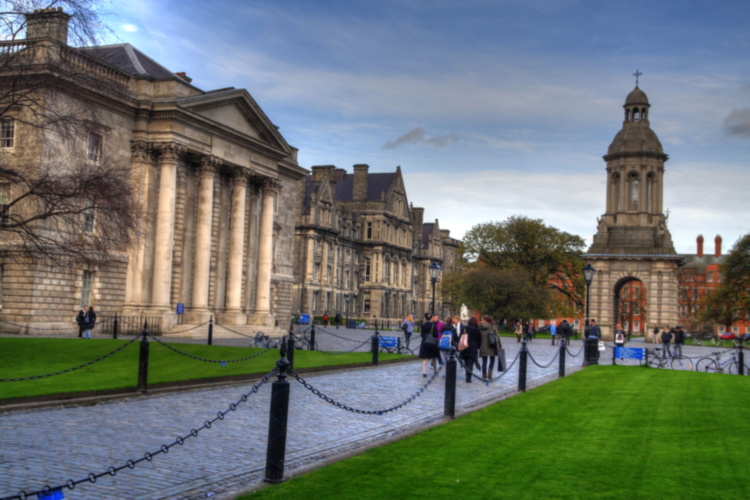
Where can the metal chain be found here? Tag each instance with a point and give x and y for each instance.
(571, 354)
(130, 464)
(557, 353)
(221, 361)
(68, 370)
(337, 404)
(236, 332)
(336, 353)
(508, 369)
(51, 329)
(337, 336)
(190, 329)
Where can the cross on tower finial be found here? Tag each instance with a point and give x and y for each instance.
(636, 75)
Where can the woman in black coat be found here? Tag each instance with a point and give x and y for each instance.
(471, 353)
(429, 349)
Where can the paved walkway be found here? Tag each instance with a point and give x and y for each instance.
(52, 445)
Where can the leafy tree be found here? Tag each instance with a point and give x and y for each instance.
(549, 257)
(730, 301)
(55, 201)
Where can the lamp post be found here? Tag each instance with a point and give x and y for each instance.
(346, 298)
(588, 276)
(435, 270)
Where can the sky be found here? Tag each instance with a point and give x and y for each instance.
(490, 108)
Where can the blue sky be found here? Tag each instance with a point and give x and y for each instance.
(491, 108)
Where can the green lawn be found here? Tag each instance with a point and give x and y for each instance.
(23, 357)
(606, 432)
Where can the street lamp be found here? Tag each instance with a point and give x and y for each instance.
(588, 276)
(346, 297)
(435, 270)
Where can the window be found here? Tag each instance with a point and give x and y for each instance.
(369, 230)
(315, 298)
(735, 329)
(367, 269)
(4, 201)
(87, 280)
(95, 147)
(2, 276)
(7, 132)
(316, 271)
(633, 185)
(328, 274)
(89, 217)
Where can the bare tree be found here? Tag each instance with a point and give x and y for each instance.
(62, 195)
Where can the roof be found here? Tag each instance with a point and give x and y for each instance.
(127, 58)
(427, 229)
(636, 96)
(344, 189)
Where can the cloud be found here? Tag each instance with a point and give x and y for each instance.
(130, 28)
(738, 122)
(419, 136)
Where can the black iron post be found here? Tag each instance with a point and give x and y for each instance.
(346, 297)
(588, 276)
(741, 360)
(434, 270)
(375, 347)
(522, 367)
(614, 354)
(115, 326)
(313, 345)
(290, 351)
(561, 371)
(450, 385)
(276, 450)
(143, 361)
(211, 331)
(398, 344)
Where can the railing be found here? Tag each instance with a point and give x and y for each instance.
(128, 325)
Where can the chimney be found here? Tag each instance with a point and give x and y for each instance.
(717, 240)
(184, 76)
(322, 173)
(699, 240)
(48, 23)
(339, 174)
(360, 182)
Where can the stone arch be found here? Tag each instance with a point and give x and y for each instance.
(630, 303)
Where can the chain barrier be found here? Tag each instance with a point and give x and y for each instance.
(509, 368)
(557, 353)
(68, 370)
(567, 349)
(334, 335)
(336, 353)
(198, 358)
(51, 329)
(236, 332)
(149, 456)
(189, 329)
(337, 404)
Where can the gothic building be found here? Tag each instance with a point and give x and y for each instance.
(632, 243)
(215, 180)
(362, 249)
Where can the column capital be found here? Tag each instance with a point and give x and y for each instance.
(241, 176)
(140, 150)
(270, 185)
(208, 165)
(169, 151)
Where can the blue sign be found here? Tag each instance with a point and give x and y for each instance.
(180, 308)
(630, 353)
(304, 319)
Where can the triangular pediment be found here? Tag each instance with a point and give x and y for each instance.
(236, 110)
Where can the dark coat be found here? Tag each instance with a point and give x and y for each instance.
(91, 319)
(82, 319)
(485, 349)
(475, 340)
(429, 351)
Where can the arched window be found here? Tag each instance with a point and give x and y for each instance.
(650, 192)
(616, 192)
(635, 114)
(633, 190)
(643, 114)
(627, 115)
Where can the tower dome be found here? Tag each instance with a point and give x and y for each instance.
(636, 135)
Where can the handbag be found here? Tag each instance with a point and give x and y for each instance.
(463, 342)
(502, 363)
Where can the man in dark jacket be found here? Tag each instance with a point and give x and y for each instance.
(679, 340)
(564, 330)
(666, 338)
(82, 320)
(594, 330)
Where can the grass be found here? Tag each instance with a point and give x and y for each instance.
(23, 357)
(607, 432)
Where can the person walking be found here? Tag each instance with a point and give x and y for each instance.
(337, 319)
(527, 331)
(679, 340)
(552, 332)
(471, 353)
(408, 328)
(519, 331)
(594, 330)
(81, 319)
(326, 319)
(90, 322)
(655, 337)
(565, 331)
(448, 329)
(489, 346)
(666, 338)
(428, 350)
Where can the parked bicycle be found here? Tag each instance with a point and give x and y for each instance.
(265, 342)
(714, 364)
(662, 359)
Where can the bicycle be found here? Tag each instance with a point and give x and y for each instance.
(675, 361)
(264, 341)
(714, 364)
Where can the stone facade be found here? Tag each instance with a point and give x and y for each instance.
(216, 182)
(632, 242)
(362, 249)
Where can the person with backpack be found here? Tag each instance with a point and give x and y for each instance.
(407, 326)
(490, 345)
(428, 350)
(447, 337)
(565, 331)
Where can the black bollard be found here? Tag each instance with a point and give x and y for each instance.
(143, 361)
(450, 385)
(290, 351)
(398, 344)
(741, 360)
(375, 348)
(115, 326)
(561, 371)
(522, 368)
(591, 351)
(211, 331)
(614, 355)
(276, 450)
(312, 338)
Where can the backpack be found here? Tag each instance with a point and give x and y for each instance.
(404, 327)
(445, 341)
(492, 339)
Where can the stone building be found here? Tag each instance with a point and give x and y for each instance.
(632, 243)
(362, 249)
(216, 182)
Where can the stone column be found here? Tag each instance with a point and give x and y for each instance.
(261, 315)
(199, 311)
(134, 286)
(164, 236)
(233, 314)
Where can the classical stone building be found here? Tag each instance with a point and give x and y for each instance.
(216, 180)
(362, 249)
(632, 242)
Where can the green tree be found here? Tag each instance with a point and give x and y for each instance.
(549, 257)
(730, 301)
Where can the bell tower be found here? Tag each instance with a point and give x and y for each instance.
(632, 242)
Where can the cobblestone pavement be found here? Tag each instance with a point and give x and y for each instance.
(52, 445)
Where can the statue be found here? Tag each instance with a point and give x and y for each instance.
(464, 313)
